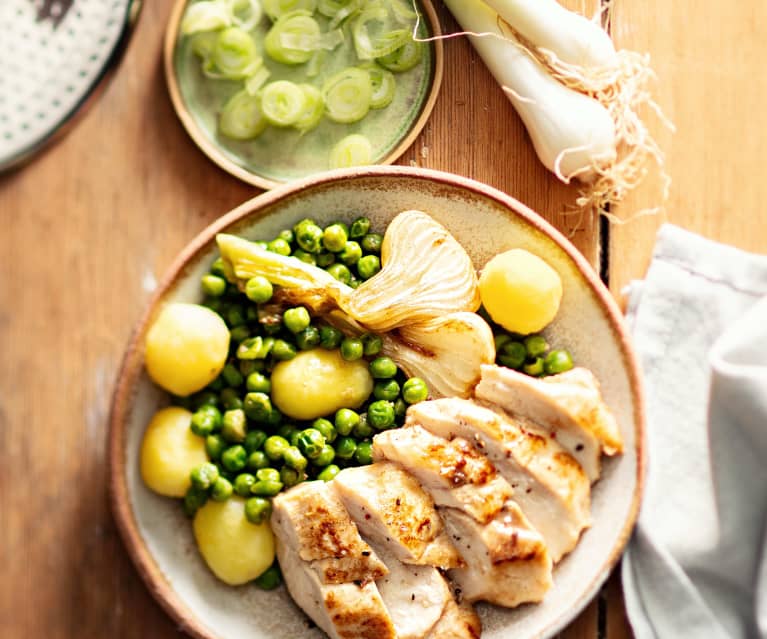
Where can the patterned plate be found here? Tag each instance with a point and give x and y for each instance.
(55, 54)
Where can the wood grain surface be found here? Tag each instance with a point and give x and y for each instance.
(92, 223)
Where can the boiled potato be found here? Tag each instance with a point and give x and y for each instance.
(186, 348)
(319, 382)
(520, 291)
(170, 451)
(234, 549)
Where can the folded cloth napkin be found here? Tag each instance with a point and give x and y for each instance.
(696, 566)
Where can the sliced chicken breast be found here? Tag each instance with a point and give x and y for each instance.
(458, 621)
(567, 407)
(507, 562)
(549, 486)
(312, 522)
(391, 509)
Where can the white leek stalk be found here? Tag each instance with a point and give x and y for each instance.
(572, 133)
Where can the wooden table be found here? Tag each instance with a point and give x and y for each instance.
(93, 222)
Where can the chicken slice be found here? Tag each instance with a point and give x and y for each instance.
(312, 522)
(507, 562)
(390, 508)
(343, 611)
(549, 485)
(458, 621)
(568, 407)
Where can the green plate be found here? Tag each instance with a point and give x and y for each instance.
(281, 155)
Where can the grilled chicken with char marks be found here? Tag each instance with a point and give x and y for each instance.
(549, 486)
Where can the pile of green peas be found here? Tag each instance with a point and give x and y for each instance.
(254, 451)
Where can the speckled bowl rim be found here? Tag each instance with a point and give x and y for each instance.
(131, 367)
(214, 153)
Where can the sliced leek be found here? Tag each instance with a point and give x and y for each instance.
(247, 13)
(254, 83)
(329, 8)
(234, 55)
(372, 38)
(282, 103)
(383, 85)
(353, 150)
(296, 23)
(310, 42)
(347, 95)
(314, 109)
(275, 9)
(209, 15)
(241, 118)
(403, 59)
(203, 43)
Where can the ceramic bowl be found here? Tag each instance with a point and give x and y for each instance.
(486, 221)
(279, 156)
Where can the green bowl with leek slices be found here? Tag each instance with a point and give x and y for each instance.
(277, 90)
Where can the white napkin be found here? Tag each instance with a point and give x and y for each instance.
(695, 568)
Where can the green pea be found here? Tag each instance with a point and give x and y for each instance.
(536, 345)
(351, 349)
(218, 268)
(334, 238)
(351, 253)
(328, 473)
(234, 425)
(344, 226)
(341, 272)
(266, 488)
(325, 259)
(290, 477)
(326, 456)
(513, 354)
(500, 340)
(364, 453)
(381, 414)
(360, 227)
(213, 303)
(283, 351)
(206, 420)
(345, 447)
(298, 225)
(243, 483)
(308, 338)
(326, 429)
(534, 368)
(363, 429)
(258, 460)
(221, 490)
(274, 419)
(368, 266)
(271, 326)
(258, 383)
(250, 366)
(386, 389)
(254, 348)
(414, 390)
(258, 510)
(270, 578)
(213, 285)
(235, 316)
(280, 246)
(257, 406)
(400, 409)
(309, 237)
(310, 442)
(254, 440)
(217, 384)
(371, 344)
(330, 338)
(259, 289)
(345, 420)
(557, 361)
(234, 458)
(287, 235)
(204, 398)
(383, 368)
(371, 243)
(214, 446)
(230, 399)
(232, 376)
(275, 446)
(194, 499)
(305, 257)
(293, 458)
(296, 319)
(268, 474)
(203, 476)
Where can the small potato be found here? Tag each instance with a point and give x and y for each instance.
(520, 291)
(234, 549)
(319, 382)
(186, 348)
(170, 451)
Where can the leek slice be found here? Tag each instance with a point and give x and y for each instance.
(347, 95)
(254, 83)
(383, 85)
(329, 8)
(234, 55)
(314, 108)
(376, 45)
(242, 118)
(247, 13)
(353, 150)
(203, 43)
(282, 103)
(275, 9)
(298, 23)
(306, 42)
(209, 15)
(403, 59)
(315, 64)
(347, 11)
